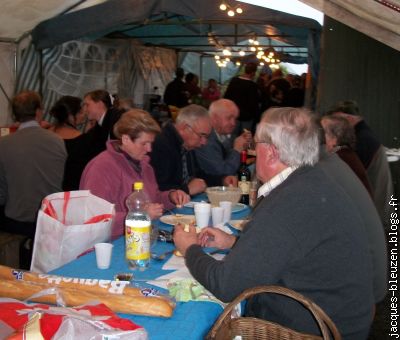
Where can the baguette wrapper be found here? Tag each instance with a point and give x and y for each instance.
(116, 295)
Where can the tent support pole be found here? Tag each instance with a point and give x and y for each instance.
(201, 71)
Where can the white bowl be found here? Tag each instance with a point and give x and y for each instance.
(218, 194)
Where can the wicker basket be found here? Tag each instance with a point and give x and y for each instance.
(248, 328)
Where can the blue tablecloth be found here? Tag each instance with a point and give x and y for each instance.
(191, 320)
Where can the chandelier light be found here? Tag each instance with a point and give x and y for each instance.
(230, 10)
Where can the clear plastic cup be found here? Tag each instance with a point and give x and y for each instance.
(103, 254)
(202, 213)
(227, 206)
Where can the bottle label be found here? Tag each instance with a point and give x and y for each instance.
(137, 241)
(244, 186)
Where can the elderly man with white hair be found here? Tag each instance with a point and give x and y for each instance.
(303, 234)
(174, 162)
(221, 154)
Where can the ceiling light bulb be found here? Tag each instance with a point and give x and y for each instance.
(216, 57)
(238, 63)
(267, 60)
(222, 7)
(231, 13)
(252, 48)
(241, 53)
(227, 60)
(251, 41)
(278, 61)
(262, 64)
(256, 42)
(239, 10)
(273, 60)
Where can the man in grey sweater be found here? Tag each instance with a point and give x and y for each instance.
(31, 166)
(303, 234)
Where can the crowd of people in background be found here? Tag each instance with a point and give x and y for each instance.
(104, 143)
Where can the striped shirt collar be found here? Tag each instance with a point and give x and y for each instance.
(278, 179)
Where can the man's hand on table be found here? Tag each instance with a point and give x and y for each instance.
(197, 186)
(182, 239)
(215, 238)
(155, 210)
(179, 197)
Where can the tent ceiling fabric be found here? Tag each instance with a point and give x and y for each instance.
(180, 24)
(18, 17)
(379, 19)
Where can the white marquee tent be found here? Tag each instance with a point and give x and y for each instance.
(65, 33)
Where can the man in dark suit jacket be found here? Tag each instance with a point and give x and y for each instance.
(83, 148)
(221, 154)
(173, 159)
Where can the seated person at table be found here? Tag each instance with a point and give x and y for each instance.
(221, 154)
(341, 139)
(373, 156)
(68, 115)
(97, 105)
(112, 173)
(340, 173)
(173, 159)
(31, 166)
(303, 234)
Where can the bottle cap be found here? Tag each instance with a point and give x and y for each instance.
(138, 185)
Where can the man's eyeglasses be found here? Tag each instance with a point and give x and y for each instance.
(199, 134)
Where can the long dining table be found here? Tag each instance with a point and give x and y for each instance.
(190, 320)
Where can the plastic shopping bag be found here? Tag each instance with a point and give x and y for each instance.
(68, 224)
(95, 321)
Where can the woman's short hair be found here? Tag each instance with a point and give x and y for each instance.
(191, 113)
(134, 122)
(100, 96)
(64, 107)
(24, 106)
(294, 133)
(341, 129)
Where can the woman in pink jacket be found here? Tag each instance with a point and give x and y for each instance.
(112, 173)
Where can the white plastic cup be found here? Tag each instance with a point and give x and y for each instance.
(202, 212)
(217, 214)
(103, 254)
(227, 206)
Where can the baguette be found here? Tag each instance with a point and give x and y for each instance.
(114, 294)
(152, 306)
(93, 285)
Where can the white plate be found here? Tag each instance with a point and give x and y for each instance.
(238, 207)
(190, 204)
(238, 224)
(174, 219)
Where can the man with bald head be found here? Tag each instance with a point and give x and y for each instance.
(174, 162)
(221, 154)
